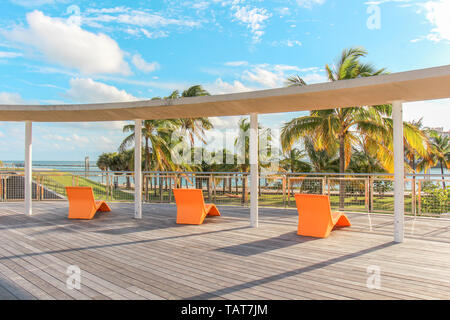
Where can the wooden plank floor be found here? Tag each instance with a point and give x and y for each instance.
(123, 258)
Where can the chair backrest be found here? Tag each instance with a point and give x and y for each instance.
(80, 194)
(313, 208)
(192, 198)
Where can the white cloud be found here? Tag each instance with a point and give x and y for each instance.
(254, 18)
(314, 77)
(90, 91)
(434, 113)
(284, 11)
(139, 18)
(70, 46)
(120, 9)
(37, 3)
(221, 123)
(309, 3)
(287, 43)
(80, 139)
(236, 63)
(223, 87)
(56, 137)
(143, 65)
(7, 54)
(10, 98)
(438, 14)
(263, 76)
(154, 34)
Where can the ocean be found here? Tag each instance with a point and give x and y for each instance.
(67, 166)
(74, 166)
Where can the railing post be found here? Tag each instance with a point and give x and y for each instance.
(413, 195)
(371, 181)
(419, 192)
(366, 194)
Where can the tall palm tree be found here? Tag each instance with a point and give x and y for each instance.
(104, 161)
(321, 160)
(439, 155)
(340, 128)
(242, 143)
(157, 135)
(294, 161)
(193, 127)
(410, 153)
(363, 161)
(195, 91)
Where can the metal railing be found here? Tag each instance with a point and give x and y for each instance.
(425, 195)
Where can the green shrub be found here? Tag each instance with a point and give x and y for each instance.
(435, 199)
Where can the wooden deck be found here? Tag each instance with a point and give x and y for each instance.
(122, 258)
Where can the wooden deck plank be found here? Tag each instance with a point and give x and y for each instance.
(154, 258)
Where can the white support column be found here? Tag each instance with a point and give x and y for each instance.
(138, 169)
(28, 182)
(399, 172)
(254, 173)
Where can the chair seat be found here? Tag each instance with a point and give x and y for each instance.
(191, 207)
(82, 204)
(315, 216)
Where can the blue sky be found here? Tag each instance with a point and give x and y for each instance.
(62, 51)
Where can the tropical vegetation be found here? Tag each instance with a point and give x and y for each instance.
(340, 140)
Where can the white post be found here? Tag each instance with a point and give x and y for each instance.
(399, 173)
(138, 169)
(28, 182)
(254, 174)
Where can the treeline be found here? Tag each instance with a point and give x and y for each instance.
(353, 140)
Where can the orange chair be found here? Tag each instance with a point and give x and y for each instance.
(191, 208)
(315, 218)
(82, 204)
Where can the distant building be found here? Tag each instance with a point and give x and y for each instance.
(441, 131)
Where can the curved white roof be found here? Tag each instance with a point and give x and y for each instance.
(417, 85)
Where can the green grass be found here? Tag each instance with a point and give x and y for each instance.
(57, 181)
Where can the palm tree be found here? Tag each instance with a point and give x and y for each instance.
(295, 81)
(338, 129)
(294, 162)
(157, 135)
(410, 153)
(104, 161)
(242, 143)
(363, 161)
(195, 91)
(193, 127)
(320, 160)
(439, 155)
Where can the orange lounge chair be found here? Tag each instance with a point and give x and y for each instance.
(191, 208)
(315, 218)
(82, 204)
